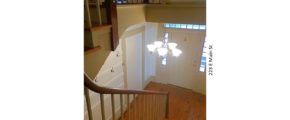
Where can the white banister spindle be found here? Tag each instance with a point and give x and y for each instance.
(102, 107)
(113, 105)
(88, 101)
(98, 7)
(121, 103)
(87, 13)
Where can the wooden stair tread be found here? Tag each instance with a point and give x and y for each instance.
(93, 5)
(98, 27)
(91, 50)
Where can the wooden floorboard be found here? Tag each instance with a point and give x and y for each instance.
(184, 104)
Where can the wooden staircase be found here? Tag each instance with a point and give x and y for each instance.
(100, 38)
(101, 27)
(136, 104)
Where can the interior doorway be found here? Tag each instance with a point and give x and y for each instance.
(134, 61)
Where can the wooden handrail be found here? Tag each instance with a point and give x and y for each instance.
(104, 90)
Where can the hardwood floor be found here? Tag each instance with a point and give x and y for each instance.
(183, 103)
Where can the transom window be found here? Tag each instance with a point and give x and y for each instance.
(185, 26)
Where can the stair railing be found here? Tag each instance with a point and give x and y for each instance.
(141, 104)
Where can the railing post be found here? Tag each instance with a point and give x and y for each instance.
(102, 106)
(121, 104)
(87, 95)
(99, 11)
(112, 19)
(113, 105)
(88, 14)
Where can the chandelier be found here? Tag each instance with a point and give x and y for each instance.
(164, 48)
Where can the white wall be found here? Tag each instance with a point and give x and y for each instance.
(184, 71)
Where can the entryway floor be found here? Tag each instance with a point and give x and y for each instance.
(184, 104)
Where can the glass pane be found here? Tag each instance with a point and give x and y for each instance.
(203, 58)
(183, 25)
(189, 26)
(202, 27)
(177, 26)
(201, 69)
(166, 25)
(203, 63)
(195, 26)
(172, 25)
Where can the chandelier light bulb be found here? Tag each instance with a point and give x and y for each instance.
(172, 46)
(166, 35)
(164, 61)
(162, 51)
(166, 40)
(158, 44)
(151, 47)
(176, 52)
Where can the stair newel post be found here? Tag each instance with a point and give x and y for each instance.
(111, 10)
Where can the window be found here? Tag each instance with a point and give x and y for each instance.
(203, 58)
(120, 1)
(185, 26)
